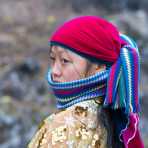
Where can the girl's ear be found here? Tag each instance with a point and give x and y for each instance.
(94, 68)
(100, 67)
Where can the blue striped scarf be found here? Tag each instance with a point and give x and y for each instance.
(69, 93)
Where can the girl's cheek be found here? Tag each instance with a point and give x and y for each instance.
(70, 75)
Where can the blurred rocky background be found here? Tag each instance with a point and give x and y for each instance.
(24, 30)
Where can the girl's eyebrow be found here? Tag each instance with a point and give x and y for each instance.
(60, 52)
(55, 49)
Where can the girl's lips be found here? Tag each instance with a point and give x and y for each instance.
(54, 80)
(57, 81)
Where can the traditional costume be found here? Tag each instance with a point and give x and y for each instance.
(116, 88)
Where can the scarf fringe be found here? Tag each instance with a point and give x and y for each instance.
(123, 80)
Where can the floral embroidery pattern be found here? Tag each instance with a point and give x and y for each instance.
(70, 121)
(95, 140)
(76, 127)
(83, 133)
(81, 111)
(58, 135)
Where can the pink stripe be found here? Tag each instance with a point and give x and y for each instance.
(130, 134)
(110, 83)
(66, 92)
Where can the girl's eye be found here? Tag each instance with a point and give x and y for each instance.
(52, 58)
(64, 61)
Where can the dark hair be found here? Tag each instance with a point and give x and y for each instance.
(105, 116)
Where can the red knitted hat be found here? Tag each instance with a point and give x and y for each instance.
(91, 36)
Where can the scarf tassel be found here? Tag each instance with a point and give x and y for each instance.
(122, 87)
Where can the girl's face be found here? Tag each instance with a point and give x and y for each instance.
(67, 66)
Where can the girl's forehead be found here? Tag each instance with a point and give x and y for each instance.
(58, 49)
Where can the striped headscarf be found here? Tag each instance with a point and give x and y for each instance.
(100, 41)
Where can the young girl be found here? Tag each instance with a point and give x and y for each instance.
(94, 74)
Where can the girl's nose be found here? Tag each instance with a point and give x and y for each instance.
(56, 71)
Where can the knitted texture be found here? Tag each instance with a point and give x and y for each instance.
(70, 93)
(96, 38)
(123, 82)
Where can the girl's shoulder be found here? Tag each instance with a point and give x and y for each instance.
(45, 130)
(74, 127)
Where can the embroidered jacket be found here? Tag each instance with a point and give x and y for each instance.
(75, 127)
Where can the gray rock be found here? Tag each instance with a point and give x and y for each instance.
(133, 22)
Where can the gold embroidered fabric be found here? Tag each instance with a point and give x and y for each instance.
(76, 127)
